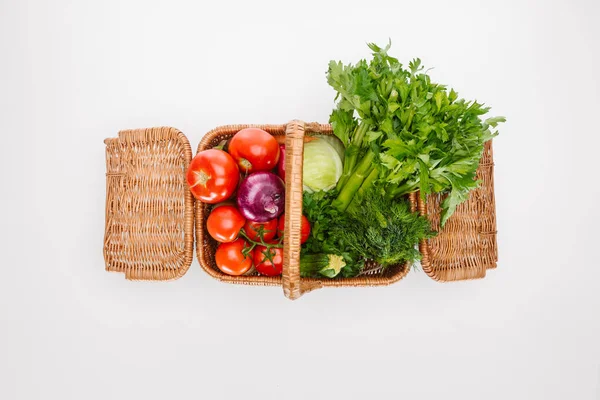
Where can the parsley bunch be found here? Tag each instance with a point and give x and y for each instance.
(404, 133)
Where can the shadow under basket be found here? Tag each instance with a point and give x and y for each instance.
(151, 215)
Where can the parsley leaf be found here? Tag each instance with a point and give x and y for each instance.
(423, 136)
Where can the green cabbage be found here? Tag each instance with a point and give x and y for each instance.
(322, 166)
(336, 143)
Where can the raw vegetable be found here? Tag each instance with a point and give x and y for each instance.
(234, 258)
(267, 253)
(261, 196)
(322, 215)
(335, 142)
(304, 228)
(212, 176)
(322, 166)
(268, 261)
(405, 132)
(313, 265)
(256, 230)
(224, 223)
(380, 229)
(281, 162)
(254, 150)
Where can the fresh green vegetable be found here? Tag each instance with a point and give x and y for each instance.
(378, 228)
(335, 143)
(323, 216)
(382, 229)
(322, 165)
(405, 132)
(401, 133)
(313, 265)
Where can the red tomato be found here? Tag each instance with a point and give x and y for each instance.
(265, 266)
(304, 230)
(269, 229)
(212, 176)
(231, 260)
(254, 150)
(224, 223)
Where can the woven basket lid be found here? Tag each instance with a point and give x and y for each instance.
(149, 208)
(465, 248)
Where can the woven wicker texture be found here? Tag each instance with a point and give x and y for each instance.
(466, 247)
(293, 285)
(149, 209)
(150, 215)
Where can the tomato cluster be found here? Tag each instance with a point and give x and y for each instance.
(214, 174)
(214, 177)
(245, 243)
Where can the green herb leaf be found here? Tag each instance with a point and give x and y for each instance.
(408, 116)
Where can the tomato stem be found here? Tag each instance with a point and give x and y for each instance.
(245, 164)
(262, 242)
(203, 177)
(221, 145)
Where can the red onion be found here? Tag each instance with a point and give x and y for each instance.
(261, 196)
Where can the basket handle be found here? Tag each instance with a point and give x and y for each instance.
(293, 286)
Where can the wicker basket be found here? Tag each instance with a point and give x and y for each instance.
(150, 215)
(293, 286)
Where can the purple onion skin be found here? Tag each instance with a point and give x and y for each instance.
(261, 196)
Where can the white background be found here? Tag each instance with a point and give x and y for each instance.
(75, 72)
